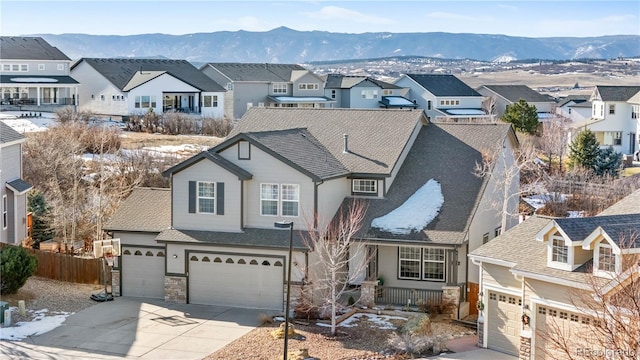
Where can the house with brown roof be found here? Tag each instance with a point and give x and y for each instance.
(13, 189)
(34, 76)
(302, 165)
(533, 275)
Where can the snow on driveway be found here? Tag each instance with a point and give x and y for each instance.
(39, 325)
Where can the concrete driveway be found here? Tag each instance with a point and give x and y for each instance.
(138, 329)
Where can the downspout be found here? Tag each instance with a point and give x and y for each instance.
(241, 204)
(315, 203)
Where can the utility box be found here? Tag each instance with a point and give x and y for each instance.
(3, 306)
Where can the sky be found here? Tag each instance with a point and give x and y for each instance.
(542, 18)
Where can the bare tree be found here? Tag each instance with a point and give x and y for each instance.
(610, 315)
(511, 176)
(554, 141)
(490, 105)
(333, 247)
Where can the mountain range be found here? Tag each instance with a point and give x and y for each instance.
(284, 45)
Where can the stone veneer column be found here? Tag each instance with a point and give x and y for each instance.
(452, 294)
(525, 345)
(115, 282)
(175, 289)
(480, 330)
(368, 293)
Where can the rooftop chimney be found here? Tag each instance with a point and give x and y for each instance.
(345, 150)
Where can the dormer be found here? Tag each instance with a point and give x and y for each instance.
(563, 251)
(610, 244)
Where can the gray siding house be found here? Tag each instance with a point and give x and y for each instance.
(363, 92)
(267, 85)
(303, 165)
(506, 95)
(34, 75)
(13, 189)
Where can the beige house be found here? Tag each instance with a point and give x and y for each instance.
(541, 268)
(217, 244)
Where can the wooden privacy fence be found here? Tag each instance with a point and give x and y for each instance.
(68, 268)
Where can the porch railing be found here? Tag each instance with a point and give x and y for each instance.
(400, 296)
(34, 101)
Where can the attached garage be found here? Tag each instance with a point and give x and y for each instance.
(503, 322)
(239, 280)
(142, 271)
(566, 326)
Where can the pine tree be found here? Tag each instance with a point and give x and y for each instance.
(41, 215)
(584, 150)
(16, 266)
(608, 162)
(523, 116)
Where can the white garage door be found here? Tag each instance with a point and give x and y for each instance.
(503, 318)
(251, 281)
(142, 272)
(563, 325)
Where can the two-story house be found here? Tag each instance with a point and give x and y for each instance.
(271, 85)
(533, 275)
(445, 98)
(611, 119)
(506, 95)
(218, 245)
(363, 92)
(135, 86)
(576, 108)
(34, 75)
(13, 189)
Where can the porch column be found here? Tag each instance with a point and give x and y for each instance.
(368, 293)
(38, 95)
(452, 294)
(525, 345)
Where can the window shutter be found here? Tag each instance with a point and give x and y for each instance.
(192, 197)
(220, 198)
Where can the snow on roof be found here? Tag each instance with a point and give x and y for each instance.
(465, 111)
(34, 80)
(415, 213)
(299, 99)
(545, 115)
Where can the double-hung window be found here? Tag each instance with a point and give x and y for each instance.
(606, 258)
(279, 199)
(5, 220)
(206, 197)
(417, 263)
(559, 251)
(364, 186)
(279, 88)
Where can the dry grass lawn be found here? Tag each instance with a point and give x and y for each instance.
(137, 140)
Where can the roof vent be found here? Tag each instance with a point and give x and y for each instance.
(345, 150)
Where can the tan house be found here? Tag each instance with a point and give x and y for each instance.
(533, 275)
(217, 243)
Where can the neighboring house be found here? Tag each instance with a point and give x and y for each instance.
(506, 95)
(13, 189)
(34, 76)
(301, 165)
(611, 118)
(267, 85)
(577, 108)
(136, 86)
(536, 268)
(363, 92)
(445, 98)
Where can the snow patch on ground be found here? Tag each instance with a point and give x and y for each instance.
(538, 201)
(416, 213)
(40, 324)
(381, 321)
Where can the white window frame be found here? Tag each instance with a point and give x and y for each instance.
(205, 197)
(229, 86)
(308, 86)
(612, 109)
(5, 213)
(6, 67)
(41, 67)
(485, 238)
(275, 198)
(24, 67)
(279, 88)
(369, 94)
(60, 67)
(550, 253)
(360, 186)
(286, 197)
(138, 101)
(423, 259)
(559, 251)
(597, 261)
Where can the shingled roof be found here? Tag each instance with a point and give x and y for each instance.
(125, 73)
(7, 134)
(29, 48)
(443, 85)
(618, 226)
(615, 93)
(145, 210)
(256, 71)
(297, 147)
(448, 154)
(340, 81)
(249, 237)
(376, 138)
(514, 93)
